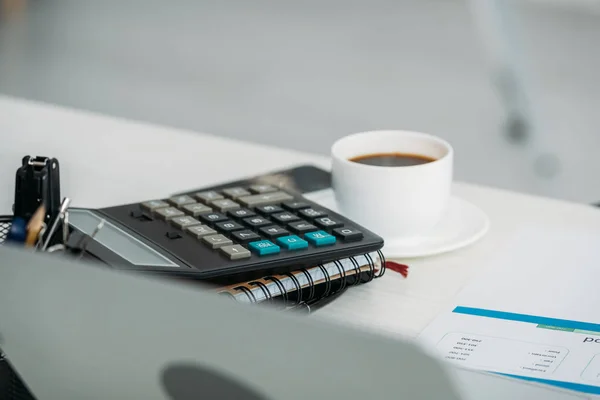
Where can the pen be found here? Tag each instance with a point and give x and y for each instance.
(61, 214)
(34, 226)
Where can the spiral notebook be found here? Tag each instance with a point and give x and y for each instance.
(310, 285)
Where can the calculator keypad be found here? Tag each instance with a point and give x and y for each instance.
(259, 219)
(320, 238)
(195, 209)
(168, 213)
(235, 192)
(245, 236)
(184, 222)
(235, 252)
(262, 189)
(301, 227)
(295, 205)
(154, 205)
(216, 241)
(212, 218)
(256, 222)
(228, 226)
(348, 234)
(241, 213)
(311, 213)
(273, 231)
(200, 230)
(285, 218)
(265, 198)
(270, 209)
(264, 247)
(224, 204)
(181, 200)
(208, 196)
(328, 223)
(292, 242)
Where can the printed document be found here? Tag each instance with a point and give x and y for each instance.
(533, 313)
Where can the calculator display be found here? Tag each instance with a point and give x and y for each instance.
(117, 240)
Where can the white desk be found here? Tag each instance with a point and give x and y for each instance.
(107, 161)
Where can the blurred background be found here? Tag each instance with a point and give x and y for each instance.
(512, 84)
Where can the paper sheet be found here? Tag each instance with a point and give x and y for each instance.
(534, 313)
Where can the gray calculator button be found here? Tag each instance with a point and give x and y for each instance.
(235, 252)
(168, 213)
(224, 205)
(216, 241)
(262, 189)
(184, 222)
(181, 200)
(196, 209)
(265, 198)
(154, 205)
(208, 196)
(200, 231)
(236, 192)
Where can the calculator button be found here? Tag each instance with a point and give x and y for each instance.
(153, 205)
(208, 196)
(348, 234)
(241, 213)
(184, 222)
(168, 213)
(285, 217)
(224, 204)
(273, 231)
(292, 242)
(181, 200)
(256, 200)
(255, 222)
(302, 227)
(228, 226)
(328, 223)
(262, 189)
(264, 247)
(269, 209)
(295, 205)
(311, 213)
(235, 192)
(235, 252)
(216, 241)
(196, 209)
(245, 236)
(200, 230)
(320, 238)
(212, 218)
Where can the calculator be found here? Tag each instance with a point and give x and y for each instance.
(237, 231)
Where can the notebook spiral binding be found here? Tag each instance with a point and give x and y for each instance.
(297, 294)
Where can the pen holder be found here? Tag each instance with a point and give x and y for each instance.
(5, 224)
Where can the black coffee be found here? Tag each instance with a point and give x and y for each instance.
(392, 159)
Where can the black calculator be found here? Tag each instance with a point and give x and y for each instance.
(244, 229)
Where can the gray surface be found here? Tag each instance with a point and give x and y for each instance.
(303, 73)
(73, 331)
(79, 332)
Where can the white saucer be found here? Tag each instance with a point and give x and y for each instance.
(463, 224)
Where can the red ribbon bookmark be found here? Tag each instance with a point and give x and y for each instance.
(402, 269)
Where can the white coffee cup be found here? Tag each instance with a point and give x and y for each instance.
(399, 203)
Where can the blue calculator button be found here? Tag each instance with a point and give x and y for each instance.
(292, 242)
(264, 247)
(320, 238)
